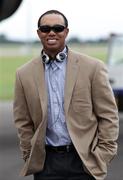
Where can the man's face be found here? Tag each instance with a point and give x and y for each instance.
(52, 41)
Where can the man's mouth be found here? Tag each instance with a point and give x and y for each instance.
(51, 41)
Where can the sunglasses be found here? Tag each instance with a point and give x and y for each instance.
(55, 28)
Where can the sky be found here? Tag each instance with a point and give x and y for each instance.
(88, 19)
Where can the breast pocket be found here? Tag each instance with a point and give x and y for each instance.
(81, 100)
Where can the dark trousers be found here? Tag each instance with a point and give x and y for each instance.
(62, 166)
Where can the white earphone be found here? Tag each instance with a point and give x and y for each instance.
(59, 57)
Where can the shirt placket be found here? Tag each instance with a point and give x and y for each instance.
(55, 102)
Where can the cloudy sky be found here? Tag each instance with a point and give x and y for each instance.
(87, 18)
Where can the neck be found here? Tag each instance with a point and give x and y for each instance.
(52, 53)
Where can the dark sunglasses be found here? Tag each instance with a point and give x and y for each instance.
(55, 28)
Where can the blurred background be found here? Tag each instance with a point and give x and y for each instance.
(96, 28)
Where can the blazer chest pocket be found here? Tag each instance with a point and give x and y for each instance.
(81, 100)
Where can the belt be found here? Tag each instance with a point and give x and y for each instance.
(60, 149)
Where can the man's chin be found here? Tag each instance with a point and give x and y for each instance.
(52, 47)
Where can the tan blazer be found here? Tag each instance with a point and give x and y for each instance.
(90, 111)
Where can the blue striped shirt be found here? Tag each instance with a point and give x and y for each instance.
(56, 133)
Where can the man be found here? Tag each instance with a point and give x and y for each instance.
(64, 109)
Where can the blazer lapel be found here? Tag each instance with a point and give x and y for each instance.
(40, 82)
(71, 75)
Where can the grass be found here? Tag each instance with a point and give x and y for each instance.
(97, 50)
(9, 64)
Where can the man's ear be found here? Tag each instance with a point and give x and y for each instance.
(67, 31)
(38, 33)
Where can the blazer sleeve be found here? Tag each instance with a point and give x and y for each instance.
(22, 118)
(106, 111)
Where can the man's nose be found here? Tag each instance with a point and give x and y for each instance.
(52, 32)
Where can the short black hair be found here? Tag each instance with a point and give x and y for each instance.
(53, 12)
